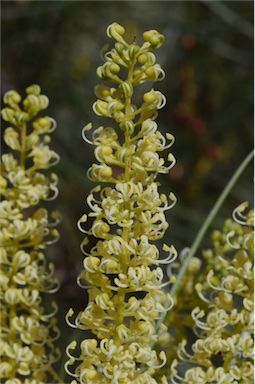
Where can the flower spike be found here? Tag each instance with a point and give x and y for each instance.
(122, 270)
(27, 332)
(222, 309)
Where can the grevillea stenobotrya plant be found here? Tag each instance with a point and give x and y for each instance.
(222, 347)
(28, 329)
(122, 270)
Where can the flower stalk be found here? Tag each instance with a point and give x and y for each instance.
(28, 332)
(122, 271)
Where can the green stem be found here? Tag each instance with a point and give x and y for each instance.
(215, 209)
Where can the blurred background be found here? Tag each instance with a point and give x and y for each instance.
(208, 60)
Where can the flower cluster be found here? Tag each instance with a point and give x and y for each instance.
(223, 322)
(27, 331)
(179, 322)
(122, 270)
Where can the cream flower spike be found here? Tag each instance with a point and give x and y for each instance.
(27, 331)
(121, 271)
(223, 310)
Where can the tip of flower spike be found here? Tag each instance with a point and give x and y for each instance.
(33, 89)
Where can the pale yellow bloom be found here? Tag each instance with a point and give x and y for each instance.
(122, 270)
(27, 331)
(223, 317)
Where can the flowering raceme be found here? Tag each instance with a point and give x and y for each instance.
(27, 330)
(179, 322)
(223, 320)
(122, 270)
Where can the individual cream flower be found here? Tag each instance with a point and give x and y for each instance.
(121, 271)
(27, 331)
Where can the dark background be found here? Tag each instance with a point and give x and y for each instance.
(208, 60)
